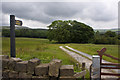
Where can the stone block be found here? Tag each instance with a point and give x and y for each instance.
(53, 78)
(4, 57)
(5, 64)
(12, 63)
(41, 70)
(25, 78)
(21, 66)
(13, 74)
(40, 78)
(32, 64)
(5, 79)
(16, 59)
(5, 74)
(67, 78)
(13, 78)
(24, 75)
(54, 66)
(66, 70)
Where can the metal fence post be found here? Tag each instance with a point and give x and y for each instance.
(12, 36)
(96, 67)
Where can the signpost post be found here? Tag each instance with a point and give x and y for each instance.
(13, 22)
(12, 36)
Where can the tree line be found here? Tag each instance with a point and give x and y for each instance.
(109, 37)
(68, 32)
(31, 33)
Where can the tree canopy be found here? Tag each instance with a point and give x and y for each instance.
(70, 31)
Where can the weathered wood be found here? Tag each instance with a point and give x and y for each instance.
(101, 52)
(83, 68)
(80, 74)
(110, 67)
(111, 57)
(116, 64)
(12, 36)
(113, 74)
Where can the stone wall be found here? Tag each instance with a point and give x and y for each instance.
(16, 69)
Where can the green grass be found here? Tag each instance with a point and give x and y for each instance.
(28, 48)
(92, 49)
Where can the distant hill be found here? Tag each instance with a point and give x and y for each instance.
(22, 27)
(16, 27)
(117, 30)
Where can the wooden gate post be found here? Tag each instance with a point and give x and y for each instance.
(12, 36)
(83, 68)
(96, 67)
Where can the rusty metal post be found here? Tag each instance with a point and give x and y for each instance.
(12, 36)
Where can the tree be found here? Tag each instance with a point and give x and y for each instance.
(110, 34)
(70, 31)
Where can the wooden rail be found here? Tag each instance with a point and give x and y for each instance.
(108, 65)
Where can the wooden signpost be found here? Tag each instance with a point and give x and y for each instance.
(13, 22)
(18, 22)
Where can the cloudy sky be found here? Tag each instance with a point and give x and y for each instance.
(99, 14)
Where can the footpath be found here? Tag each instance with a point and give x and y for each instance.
(78, 56)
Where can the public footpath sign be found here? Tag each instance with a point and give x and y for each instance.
(13, 22)
(18, 22)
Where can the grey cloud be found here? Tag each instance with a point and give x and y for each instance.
(5, 20)
(97, 12)
(61, 9)
(29, 11)
(46, 12)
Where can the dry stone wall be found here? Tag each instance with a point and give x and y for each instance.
(16, 69)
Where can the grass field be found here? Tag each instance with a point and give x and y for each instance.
(92, 49)
(28, 48)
